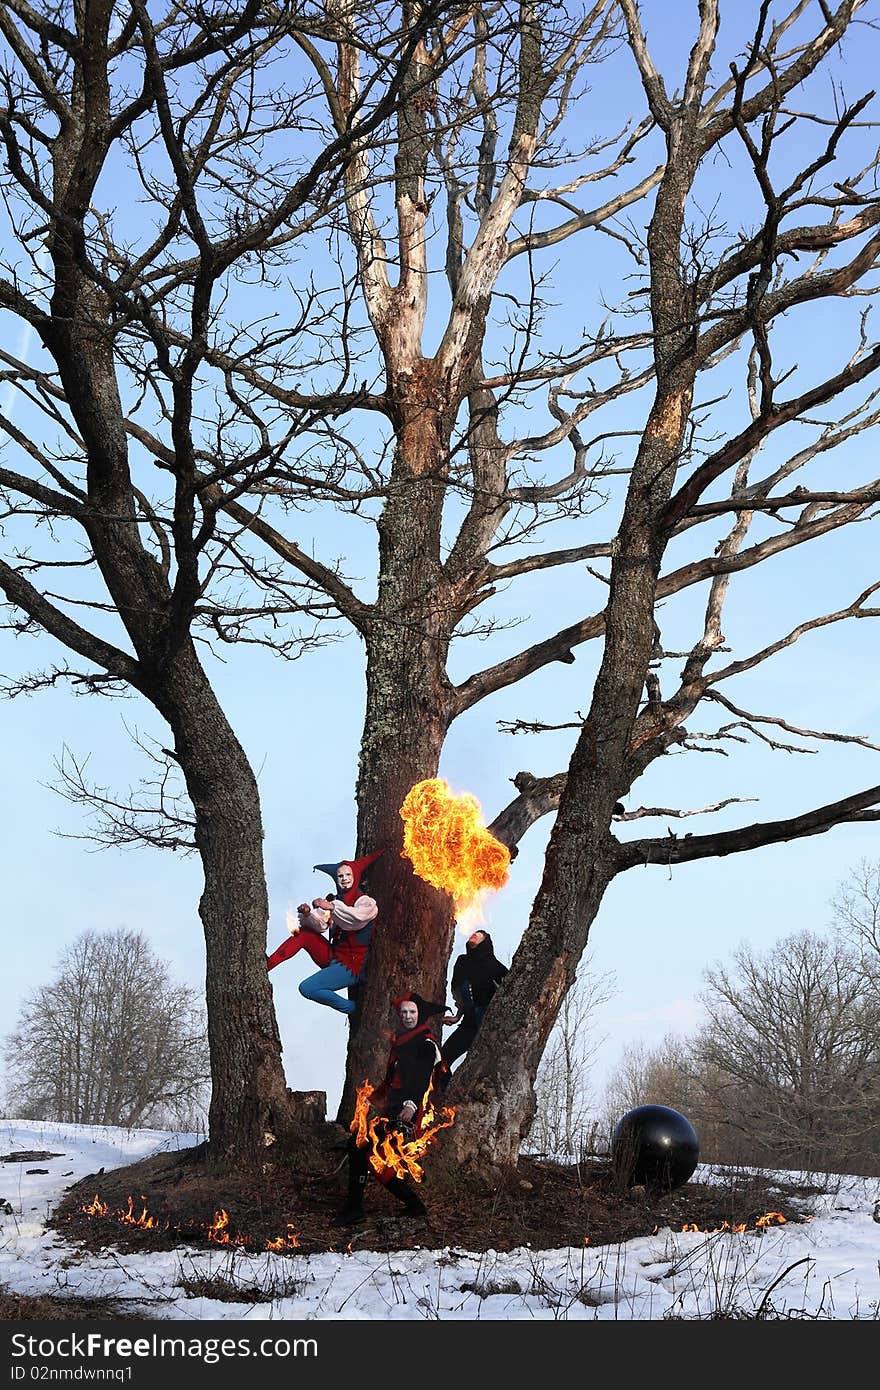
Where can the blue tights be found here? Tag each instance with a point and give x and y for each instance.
(322, 986)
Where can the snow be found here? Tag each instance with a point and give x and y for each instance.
(824, 1269)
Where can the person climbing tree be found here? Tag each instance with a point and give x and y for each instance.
(335, 931)
(476, 975)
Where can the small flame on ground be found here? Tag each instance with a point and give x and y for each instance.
(290, 1241)
(390, 1154)
(217, 1231)
(770, 1218)
(449, 846)
(144, 1222)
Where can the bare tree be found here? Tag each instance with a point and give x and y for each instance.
(111, 1040)
(649, 1076)
(442, 226)
(856, 915)
(798, 1043)
(199, 118)
(786, 1069)
(670, 1074)
(563, 1122)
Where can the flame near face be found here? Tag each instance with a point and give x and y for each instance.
(449, 846)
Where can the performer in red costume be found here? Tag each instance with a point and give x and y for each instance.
(335, 931)
(399, 1102)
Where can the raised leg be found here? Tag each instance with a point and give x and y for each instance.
(322, 987)
(316, 946)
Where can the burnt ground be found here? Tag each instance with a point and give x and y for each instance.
(543, 1203)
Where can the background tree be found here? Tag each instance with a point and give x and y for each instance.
(111, 1040)
(856, 909)
(650, 1076)
(797, 1043)
(785, 1071)
(462, 423)
(564, 1120)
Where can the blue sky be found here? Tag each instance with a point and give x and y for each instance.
(300, 724)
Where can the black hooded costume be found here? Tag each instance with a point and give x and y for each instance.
(412, 1059)
(476, 975)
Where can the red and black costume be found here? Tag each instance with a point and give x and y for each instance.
(412, 1059)
(341, 954)
(411, 1062)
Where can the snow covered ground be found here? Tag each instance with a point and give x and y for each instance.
(826, 1269)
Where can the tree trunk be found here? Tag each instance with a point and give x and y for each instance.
(494, 1089)
(406, 721)
(249, 1097)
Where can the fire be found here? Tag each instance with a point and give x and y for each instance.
(770, 1218)
(126, 1215)
(292, 921)
(290, 1241)
(449, 846)
(391, 1154)
(144, 1222)
(217, 1231)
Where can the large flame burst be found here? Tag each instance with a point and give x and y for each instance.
(449, 846)
(389, 1153)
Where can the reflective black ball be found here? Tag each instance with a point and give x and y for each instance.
(654, 1145)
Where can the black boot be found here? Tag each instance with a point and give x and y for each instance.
(353, 1211)
(404, 1193)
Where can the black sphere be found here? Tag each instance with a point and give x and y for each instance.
(654, 1145)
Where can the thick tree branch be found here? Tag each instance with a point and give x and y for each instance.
(560, 646)
(672, 850)
(38, 609)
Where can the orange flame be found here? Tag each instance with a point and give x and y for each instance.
(392, 1154)
(217, 1232)
(290, 1241)
(449, 846)
(770, 1218)
(144, 1222)
(126, 1215)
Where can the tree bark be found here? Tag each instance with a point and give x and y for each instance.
(494, 1088)
(406, 720)
(249, 1097)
